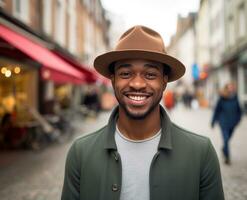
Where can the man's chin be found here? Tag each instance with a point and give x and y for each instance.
(137, 115)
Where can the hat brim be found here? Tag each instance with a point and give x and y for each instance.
(102, 62)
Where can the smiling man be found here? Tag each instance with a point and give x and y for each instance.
(140, 154)
(138, 86)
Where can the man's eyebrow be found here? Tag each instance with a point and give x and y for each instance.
(152, 65)
(119, 66)
(127, 65)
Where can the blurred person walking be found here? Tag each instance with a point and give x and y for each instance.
(227, 114)
(169, 100)
(92, 102)
(187, 99)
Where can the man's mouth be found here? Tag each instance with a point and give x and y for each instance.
(137, 98)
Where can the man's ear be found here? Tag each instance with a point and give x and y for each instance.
(112, 79)
(165, 80)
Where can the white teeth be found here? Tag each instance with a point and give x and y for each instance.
(137, 98)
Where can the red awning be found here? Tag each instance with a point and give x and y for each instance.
(59, 78)
(56, 68)
(89, 74)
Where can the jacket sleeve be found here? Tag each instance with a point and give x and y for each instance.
(239, 111)
(216, 112)
(210, 179)
(71, 186)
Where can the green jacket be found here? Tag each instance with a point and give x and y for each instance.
(185, 167)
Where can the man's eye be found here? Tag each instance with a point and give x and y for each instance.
(124, 74)
(151, 75)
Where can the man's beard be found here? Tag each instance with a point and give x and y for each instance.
(138, 116)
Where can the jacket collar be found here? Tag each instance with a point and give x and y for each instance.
(165, 140)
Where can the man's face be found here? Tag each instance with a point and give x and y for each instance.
(138, 86)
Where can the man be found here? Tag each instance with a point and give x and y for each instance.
(141, 154)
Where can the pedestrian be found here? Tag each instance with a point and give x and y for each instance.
(187, 98)
(228, 114)
(140, 154)
(169, 100)
(91, 101)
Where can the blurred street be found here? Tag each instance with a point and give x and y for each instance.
(28, 175)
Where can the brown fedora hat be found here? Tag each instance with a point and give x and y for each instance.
(140, 42)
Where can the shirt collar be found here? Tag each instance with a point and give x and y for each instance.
(165, 140)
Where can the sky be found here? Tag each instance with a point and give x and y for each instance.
(160, 15)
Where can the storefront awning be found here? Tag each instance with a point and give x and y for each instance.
(53, 67)
(89, 74)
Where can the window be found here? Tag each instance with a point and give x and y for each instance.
(72, 26)
(242, 22)
(21, 10)
(88, 4)
(18, 6)
(88, 44)
(60, 22)
(47, 17)
(215, 23)
(231, 32)
(2, 3)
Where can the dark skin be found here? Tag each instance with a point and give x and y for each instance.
(139, 85)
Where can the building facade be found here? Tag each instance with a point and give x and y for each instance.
(52, 46)
(218, 75)
(203, 35)
(220, 47)
(183, 47)
(235, 55)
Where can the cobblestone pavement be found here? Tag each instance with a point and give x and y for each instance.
(28, 175)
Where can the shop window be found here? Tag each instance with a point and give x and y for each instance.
(16, 93)
(21, 10)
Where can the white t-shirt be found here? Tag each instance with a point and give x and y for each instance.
(136, 157)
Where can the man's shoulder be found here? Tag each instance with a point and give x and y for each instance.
(187, 143)
(90, 138)
(189, 137)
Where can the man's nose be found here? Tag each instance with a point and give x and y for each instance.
(138, 82)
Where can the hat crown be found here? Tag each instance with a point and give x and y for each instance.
(141, 38)
(139, 42)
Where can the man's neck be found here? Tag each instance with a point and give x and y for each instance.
(139, 129)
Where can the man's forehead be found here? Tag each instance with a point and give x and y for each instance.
(130, 62)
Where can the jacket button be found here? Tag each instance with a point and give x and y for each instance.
(116, 156)
(114, 187)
